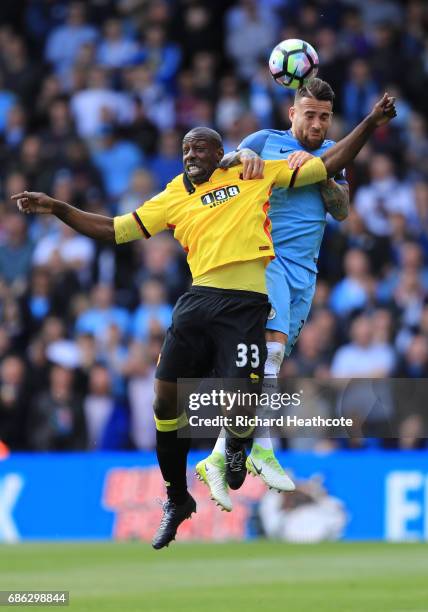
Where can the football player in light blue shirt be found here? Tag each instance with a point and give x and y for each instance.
(298, 219)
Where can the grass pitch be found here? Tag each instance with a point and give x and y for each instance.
(255, 576)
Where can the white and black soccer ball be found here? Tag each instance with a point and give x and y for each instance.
(293, 62)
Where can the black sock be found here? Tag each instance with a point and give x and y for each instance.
(172, 448)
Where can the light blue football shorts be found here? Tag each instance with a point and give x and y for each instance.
(291, 290)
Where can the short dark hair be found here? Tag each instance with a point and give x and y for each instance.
(205, 133)
(316, 88)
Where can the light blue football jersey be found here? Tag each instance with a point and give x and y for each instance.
(298, 216)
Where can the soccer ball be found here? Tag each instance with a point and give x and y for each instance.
(293, 62)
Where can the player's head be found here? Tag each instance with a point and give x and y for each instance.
(202, 152)
(312, 112)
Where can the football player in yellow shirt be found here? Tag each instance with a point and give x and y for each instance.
(219, 325)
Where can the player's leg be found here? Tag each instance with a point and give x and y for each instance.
(241, 352)
(238, 333)
(172, 447)
(304, 285)
(277, 329)
(301, 283)
(262, 461)
(186, 353)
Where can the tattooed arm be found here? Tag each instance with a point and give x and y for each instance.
(253, 165)
(336, 198)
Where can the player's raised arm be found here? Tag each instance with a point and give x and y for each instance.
(343, 152)
(95, 226)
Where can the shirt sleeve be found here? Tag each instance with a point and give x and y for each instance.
(255, 142)
(313, 171)
(147, 220)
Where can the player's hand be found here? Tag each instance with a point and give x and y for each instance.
(298, 158)
(384, 110)
(252, 165)
(34, 202)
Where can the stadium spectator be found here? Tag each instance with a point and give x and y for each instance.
(381, 11)
(384, 45)
(21, 74)
(37, 301)
(14, 402)
(59, 131)
(410, 265)
(101, 314)
(158, 104)
(153, 310)
(163, 261)
(414, 363)
(106, 417)
(98, 104)
(249, 21)
(112, 352)
(384, 195)
(187, 100)
(353, 35)
(230, 105)
(167, 163)
(412, 433)
(326, 326)
(15, 250)
(204, 65)
(200, 31)
(163, 57)
(333, 63)
(363, 357)
(117, 160)
(76, 251)
(142, 187)
(359, 91)
(352, 292)
(142, 129)
(115, 49)
(7, 101)
(309, 356)
(56, 421)
(417, 147)
(65, 40)
(140, 370)
(15, 128)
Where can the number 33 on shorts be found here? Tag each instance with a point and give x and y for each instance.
(247, 352)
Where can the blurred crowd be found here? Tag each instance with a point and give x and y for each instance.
(94, 100)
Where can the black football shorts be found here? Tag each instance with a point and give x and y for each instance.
(216, 332)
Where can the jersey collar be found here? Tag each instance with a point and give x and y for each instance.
(188, 185)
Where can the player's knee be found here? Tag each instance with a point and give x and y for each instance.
(165, 403)
(162, 409)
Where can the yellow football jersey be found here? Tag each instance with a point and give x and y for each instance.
(220, 221)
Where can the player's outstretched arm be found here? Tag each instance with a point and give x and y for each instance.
(98, 227)
(343, 152)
